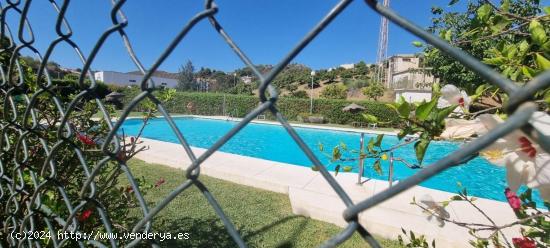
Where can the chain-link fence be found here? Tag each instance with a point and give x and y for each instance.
(22, 207)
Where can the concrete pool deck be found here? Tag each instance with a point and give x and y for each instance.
(310, 195)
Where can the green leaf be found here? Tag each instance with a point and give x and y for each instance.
(456, 198)
(495, 61)
(546, 47)
(499, 24)
(378, 141)
(336, 155)
(453, 2)
(505, 7)
(480, 89)
(420, 148)
(392, 106)
(370, 118)
(321, 146)
(448, 35)
(314, 168)
(436, 89)
(445, 112)
(343, 146)
(377, 167)
(417, 43)
(370, 146)
(546, 10)
(547, 97)
(510, 51)
(523, 46)
(404, 108)
(336, 170)
(347, 168)
(528, 71)
(483, 12)
(423, 111)
(514, 75)
(542, 62)
(538, 35)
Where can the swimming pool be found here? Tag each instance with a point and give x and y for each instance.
(272, 142)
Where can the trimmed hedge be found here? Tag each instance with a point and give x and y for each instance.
(291, 108)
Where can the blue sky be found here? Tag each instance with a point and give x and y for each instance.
(266, 30)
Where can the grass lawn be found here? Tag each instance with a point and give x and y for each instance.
(263, 218)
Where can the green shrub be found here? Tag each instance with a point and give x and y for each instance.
(68, 87)
(240, 105)
(373, 91)
(335, 91)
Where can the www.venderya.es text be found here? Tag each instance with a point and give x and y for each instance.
(80, 236)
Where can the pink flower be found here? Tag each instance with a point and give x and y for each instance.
(85, 139)
(525, 161)
(451, 95)
(160, 182)
(85, 215)
(527, 147)
(513, 199)
(524, 243)
(461, 101)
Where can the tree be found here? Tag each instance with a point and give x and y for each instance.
(361, 71)
(186, 77)
(373, 91)
(293, 74)
(511, 37)
(335, 91)
(223, 81)
(71, 77)
(241, 89)
(205, 72)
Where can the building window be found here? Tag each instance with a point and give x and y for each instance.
(132, 81)
(406, 60)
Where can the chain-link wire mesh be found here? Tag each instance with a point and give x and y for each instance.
(23, 208)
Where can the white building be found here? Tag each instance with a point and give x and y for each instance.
(160, 78)
(406, 71)
(347, 66)
(412, 95)
(246, 79)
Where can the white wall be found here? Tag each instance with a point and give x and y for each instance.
(411, 79)
(413, 96)
(118, 78)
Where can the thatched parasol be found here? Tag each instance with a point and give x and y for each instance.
(353, 108)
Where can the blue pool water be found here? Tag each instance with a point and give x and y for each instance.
(272, 142)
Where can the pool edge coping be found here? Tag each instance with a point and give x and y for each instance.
(276, 123)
